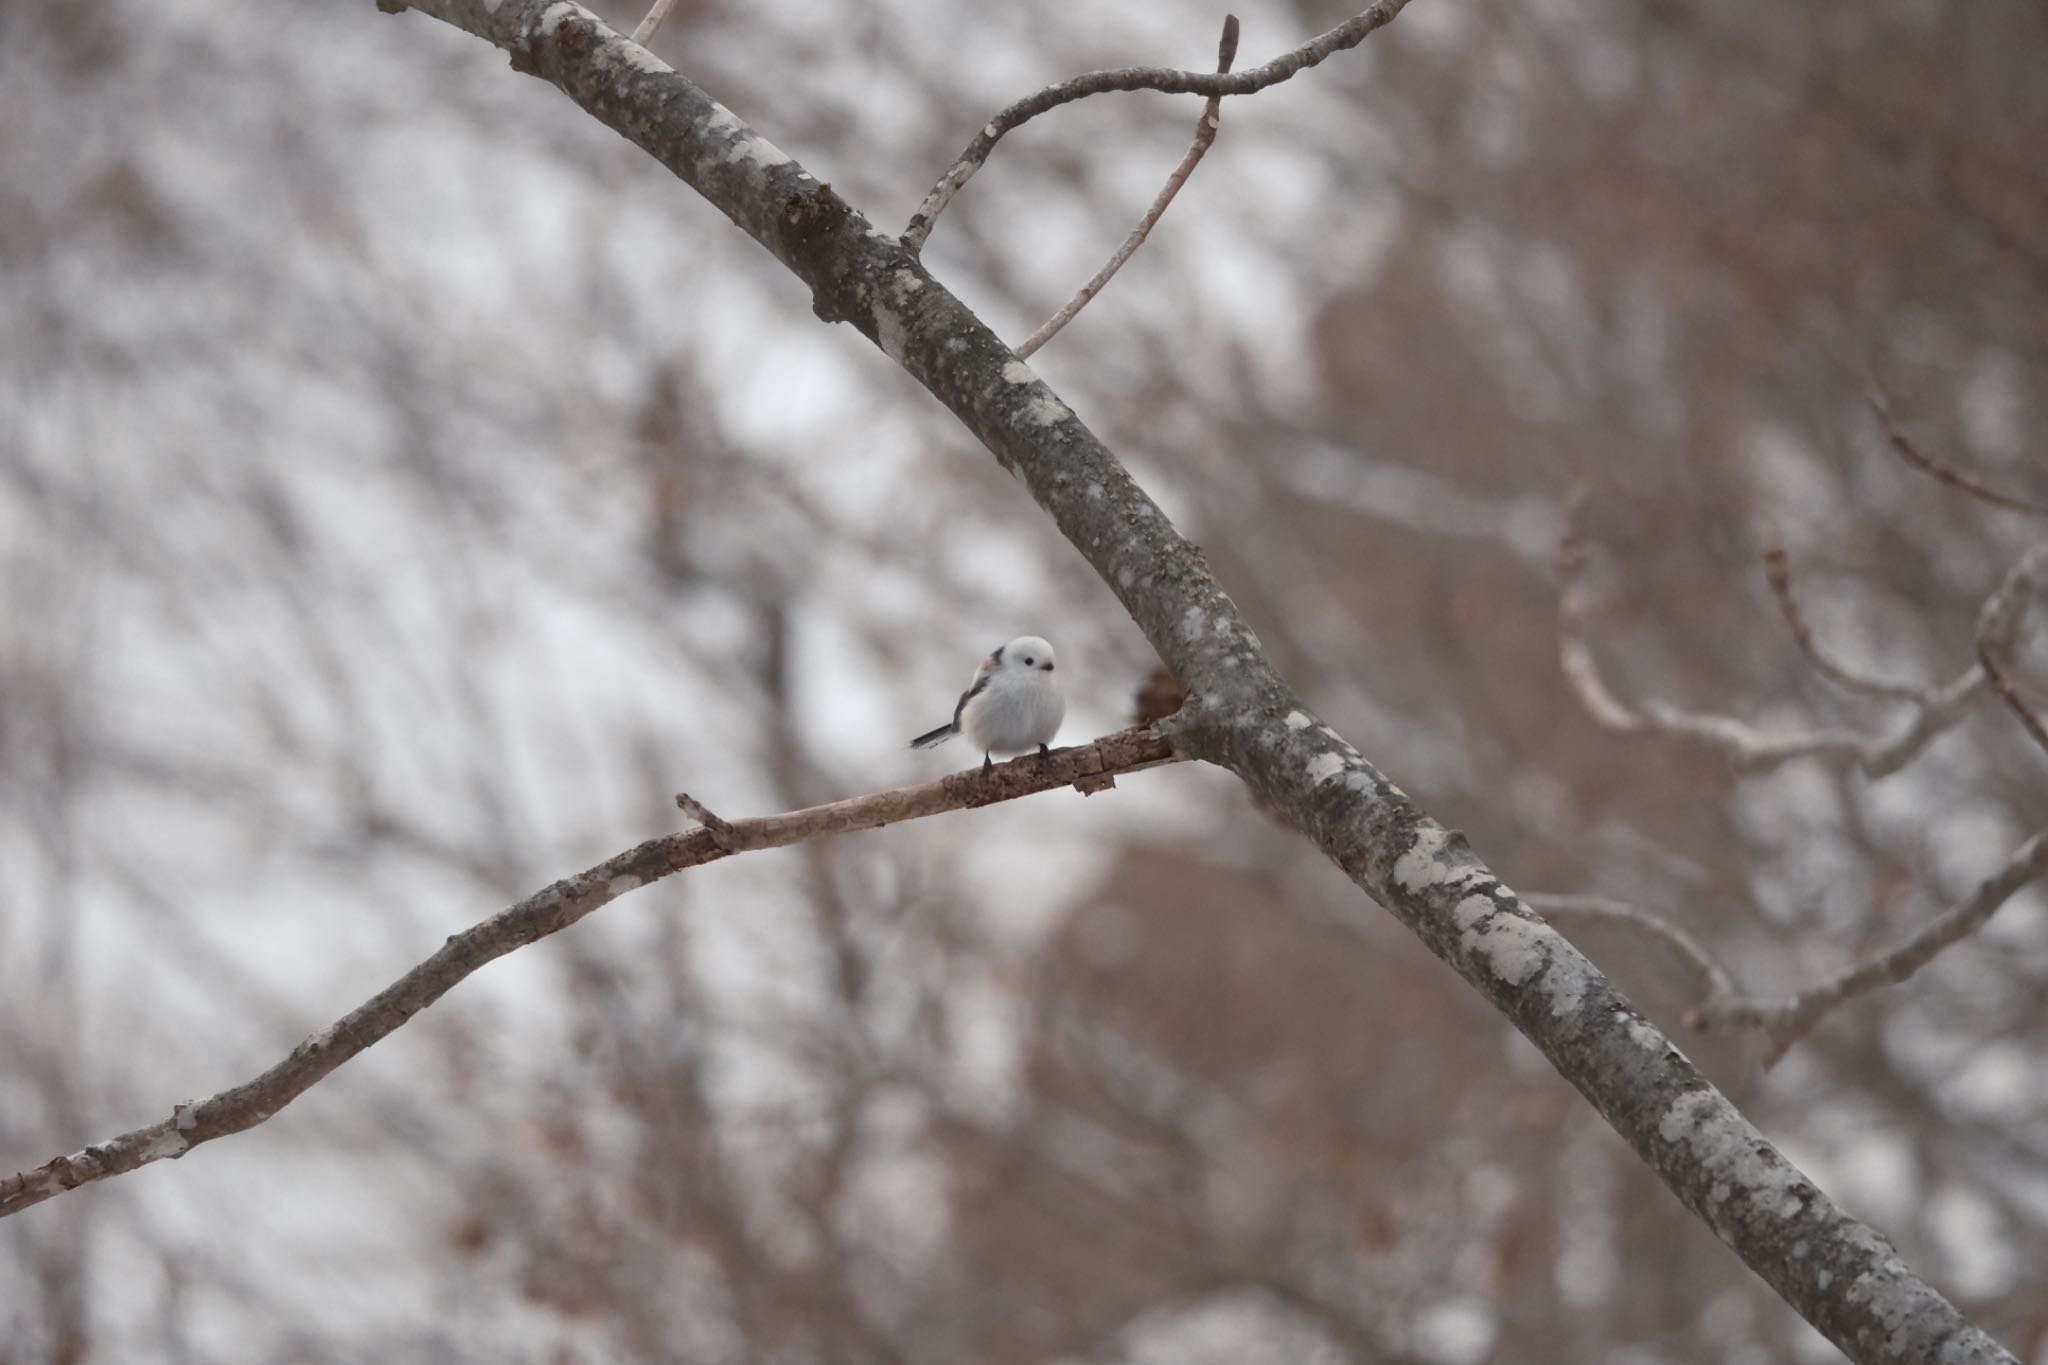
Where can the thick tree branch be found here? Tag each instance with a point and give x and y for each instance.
(1839, 1274)
(1090, 766)
(1348, 34)
(1205, 134)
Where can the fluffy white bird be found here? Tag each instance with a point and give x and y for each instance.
(1012, 706)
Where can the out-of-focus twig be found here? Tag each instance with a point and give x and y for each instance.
(1348, 34)
(1723, 1006)
(1785, 1021)
(1998, 631)
(1089, 766)
(1748, 749)
(1556, 906)
(1945, 473)
(645, 32)
(1778, 570)
(1205, 134)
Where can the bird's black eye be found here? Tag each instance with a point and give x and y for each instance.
(1029, 661)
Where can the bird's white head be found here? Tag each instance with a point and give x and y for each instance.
(1025, 655)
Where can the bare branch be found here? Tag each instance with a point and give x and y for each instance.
(1748, 749)
(644, 34)
(1997, 632)
(1945, 473)
(1789, 1019)
(1553, 906)
(1778, 570)
(1348, 34)
(549, 911)
(722, 833)
(1205, 134)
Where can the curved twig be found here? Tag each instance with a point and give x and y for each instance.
(1955, 478)
(1166, 79)
(1778, 572)
(1554, 905)
(1205, 134)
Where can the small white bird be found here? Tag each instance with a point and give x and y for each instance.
(1012, 706)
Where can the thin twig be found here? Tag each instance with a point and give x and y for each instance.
(1748, 749)
(1789, 1019)
(645, 32)
(1998, 632)
(546, 912)
(1165, 79)
(1778, 570)
(722, 833)
(1554, 906)
(1205, 134)
(1946, 473)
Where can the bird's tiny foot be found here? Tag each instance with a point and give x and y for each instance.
(1044, 752)
(987, 764)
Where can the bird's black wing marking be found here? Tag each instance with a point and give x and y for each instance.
(980, 685)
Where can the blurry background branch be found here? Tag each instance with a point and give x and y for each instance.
(1749, 749)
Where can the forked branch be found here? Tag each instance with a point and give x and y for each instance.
(1167, 80)
(1205, 134)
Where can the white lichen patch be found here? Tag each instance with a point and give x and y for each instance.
(906, 282)
(757, 150)
(1644, 1036)
(1046, 411)
(553, 16)
(1299, 720)
(1418, 867)
(1017, 372)
(1514, 949)
(1193, 624)
(722, 120)
(621, 884)
(1723, 1146)
(165, 1145)
(1095, 492)
(1323, 767)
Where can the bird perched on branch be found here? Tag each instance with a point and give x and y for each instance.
(1012, 706)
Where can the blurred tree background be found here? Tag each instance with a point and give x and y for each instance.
(406, 486)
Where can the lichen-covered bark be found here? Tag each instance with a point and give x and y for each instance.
(1838, 1273)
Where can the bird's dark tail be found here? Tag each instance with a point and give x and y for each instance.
(932, 737)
